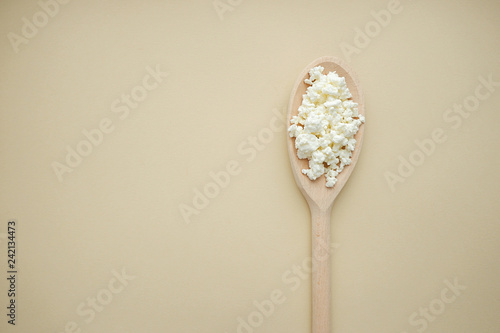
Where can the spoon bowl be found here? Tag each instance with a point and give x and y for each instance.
(319, 197)
(315, 191)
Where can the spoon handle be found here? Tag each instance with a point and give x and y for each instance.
(320, 270)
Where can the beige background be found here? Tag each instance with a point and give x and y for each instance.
(119, 209)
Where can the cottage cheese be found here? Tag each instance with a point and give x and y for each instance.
(325, 125)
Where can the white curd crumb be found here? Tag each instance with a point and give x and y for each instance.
(325, 125)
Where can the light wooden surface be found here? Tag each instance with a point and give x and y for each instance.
(320, 198)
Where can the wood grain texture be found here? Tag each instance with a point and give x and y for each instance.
(319, 197)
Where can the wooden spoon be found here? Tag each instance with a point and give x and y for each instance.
(319, 197)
